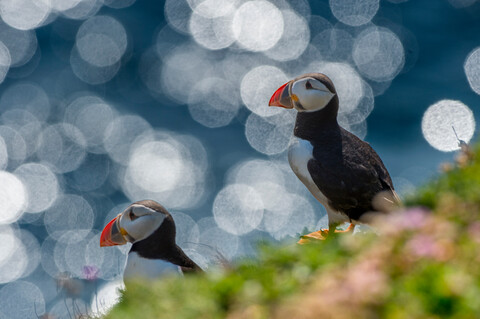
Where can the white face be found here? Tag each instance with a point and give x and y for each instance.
(309, 95)
(140, 221)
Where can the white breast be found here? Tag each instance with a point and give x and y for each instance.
(148, 268)
(300, 152)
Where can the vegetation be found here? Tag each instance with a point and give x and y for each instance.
(423, 263)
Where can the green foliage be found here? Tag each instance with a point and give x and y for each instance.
(422, 264)
(462, 180)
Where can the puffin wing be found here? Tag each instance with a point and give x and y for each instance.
(350, 179)
(347, 188)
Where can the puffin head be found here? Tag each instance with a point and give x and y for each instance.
(307, 93)
(138, 222)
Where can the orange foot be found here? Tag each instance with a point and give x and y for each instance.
(322, 234)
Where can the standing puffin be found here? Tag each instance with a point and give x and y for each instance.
(151, 230)
(341, 171)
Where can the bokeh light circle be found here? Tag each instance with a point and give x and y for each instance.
(121, 133)
(16, 264)
(16, 259)
(90, 73)
(9, 243)
(254, 171)
(177, 13)
(238, 209)
(360, 113)
(165, 169)
(62, 5)
(354, 12)
(335, 44)
(444, 121)
(91, 115)
(159, 167)
(27, 96)
(24, 14)
(213, 8)
(109, 260)
(22, 45)
(70, 252)
(181, 69)
(292, 219)
(472, 70)
(378, 54)
(294, 40)
(15, 143)
(83, 10)
(257, 25)
(41, 185)
(21, 299)
(5, 61)
(101, 41)
(212, 33)
(213, 102)
(62, 146)
(98, 49)
(3, 154)
(187, 229)
(13, 197)
(270, 135)
(27, 125)
(168, 168)
(32, 251)
(258, 85)
(221, 241)
(69, 212)
(92, 174)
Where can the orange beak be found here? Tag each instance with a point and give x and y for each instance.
(282, 97)
(112, 234)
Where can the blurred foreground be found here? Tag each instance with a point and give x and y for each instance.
(422, 264)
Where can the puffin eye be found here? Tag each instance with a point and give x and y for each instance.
(132, 216)
(308, 85)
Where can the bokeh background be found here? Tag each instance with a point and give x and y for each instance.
(106, 102)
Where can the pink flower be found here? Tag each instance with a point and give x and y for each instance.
(426, 246)
(422, 245)
(366, 281)
(399, 221)
(414, 218)
(90, 272)
(474, 231)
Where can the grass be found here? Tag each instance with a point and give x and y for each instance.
(422, 264)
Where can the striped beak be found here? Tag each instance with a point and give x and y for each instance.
(282, 97)
(112, 234)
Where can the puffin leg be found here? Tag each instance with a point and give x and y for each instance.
(349, 229)
(322, 234)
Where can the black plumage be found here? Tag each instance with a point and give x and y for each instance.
(345, 169)
(161, 244)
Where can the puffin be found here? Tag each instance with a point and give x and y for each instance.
(341, 171)
(151, 230)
